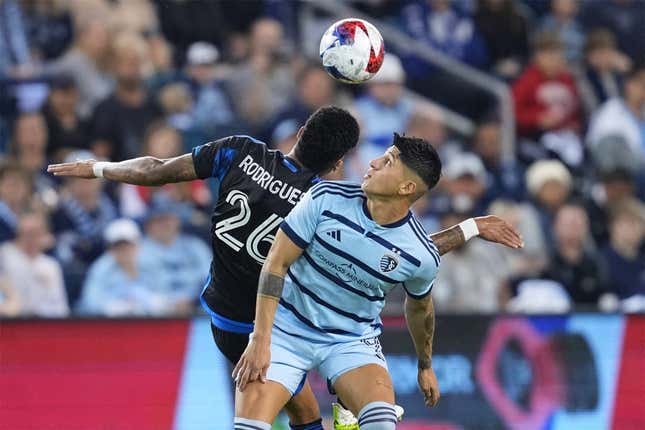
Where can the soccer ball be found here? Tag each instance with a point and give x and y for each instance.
(352, 50)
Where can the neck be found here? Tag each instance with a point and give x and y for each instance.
(571, 252)
(387, 211)
(131, 96)
(292, 154)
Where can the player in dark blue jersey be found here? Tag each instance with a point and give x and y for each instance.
(258, 187)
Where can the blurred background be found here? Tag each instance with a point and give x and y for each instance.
(538, 111)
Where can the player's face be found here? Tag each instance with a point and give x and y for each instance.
(385, 174)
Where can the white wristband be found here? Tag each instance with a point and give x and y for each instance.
(469, 228)
(97, 168)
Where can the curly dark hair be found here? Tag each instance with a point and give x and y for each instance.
(419, 156)
(328, 135)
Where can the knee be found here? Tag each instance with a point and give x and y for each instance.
(377, 416)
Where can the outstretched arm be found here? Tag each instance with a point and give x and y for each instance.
(491, 228)
(149, 171)
(419, 315)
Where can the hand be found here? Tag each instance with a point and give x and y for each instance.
(79, 169)
(494, 229)
(429, 386)
(253, 364)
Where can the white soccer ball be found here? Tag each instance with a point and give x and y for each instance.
(352, 50)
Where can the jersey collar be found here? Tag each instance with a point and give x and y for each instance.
(390, 225)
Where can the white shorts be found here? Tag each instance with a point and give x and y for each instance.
(293, 356)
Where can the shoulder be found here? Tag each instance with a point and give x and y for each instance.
(339, 189)
(420, 239)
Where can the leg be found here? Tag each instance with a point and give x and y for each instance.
(261, 402)
(303, 409)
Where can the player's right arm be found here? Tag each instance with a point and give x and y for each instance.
(255, 361)
(149, 171)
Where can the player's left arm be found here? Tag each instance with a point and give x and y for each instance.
(255, 360)
(419, 315)
(490, 228)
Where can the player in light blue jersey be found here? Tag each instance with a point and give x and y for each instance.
(323, 285)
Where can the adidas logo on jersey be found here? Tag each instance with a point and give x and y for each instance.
(335, 234)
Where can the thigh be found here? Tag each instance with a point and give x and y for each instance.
(261, 401)
(363, 385)
(303, 407)
(232, 345)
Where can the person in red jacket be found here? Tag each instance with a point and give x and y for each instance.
(545, 94)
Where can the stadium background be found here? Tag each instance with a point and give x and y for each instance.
(534, 106)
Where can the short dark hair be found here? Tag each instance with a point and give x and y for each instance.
(328, 135)
(420, 156)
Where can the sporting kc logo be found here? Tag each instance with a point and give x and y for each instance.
(388, 263)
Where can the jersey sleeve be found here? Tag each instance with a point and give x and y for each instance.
(421, 284)
(214, 159)
(300, 225)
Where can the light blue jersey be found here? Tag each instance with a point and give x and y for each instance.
(335, 291)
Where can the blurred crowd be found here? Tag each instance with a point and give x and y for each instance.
(116, 79)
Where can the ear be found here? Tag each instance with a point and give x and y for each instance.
(407, 188)
(338, 165)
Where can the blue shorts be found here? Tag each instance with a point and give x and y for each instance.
(293, 356)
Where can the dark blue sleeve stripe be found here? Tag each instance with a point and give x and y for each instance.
(306, 321)
(338, 186)
(320, 301)
(344, 220)
(293, 235)
(425, 235)
(338, 193)
(435, 257)
(339, 281)
(356, 261)
(418, 296)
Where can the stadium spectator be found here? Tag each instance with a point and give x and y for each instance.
(624, 18)
(120, 121)
(117, 283)
(469, 277)
(562, 21)
(616, 136)
(466, 184)
(35, 277)
(87, 59)
(15, 198)
(549, 185)
(190, 198)
(505, 31)
(15, 56)
(547, 105)
(505, 177)
(264, 83)
(600, 77)
(440, 25)
(612, 188)
(28, 150)
(66, 130)
(49, 28)
(574, 264)
(530, 260)
(83, 213)
(212, 111)
(315, 89)
(624, 253)
(381, 111)
(181, 261)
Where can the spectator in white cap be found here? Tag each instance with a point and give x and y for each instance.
(212, 109)
(117, 283)
(466, 183)
(381, 110)
(549, 185)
